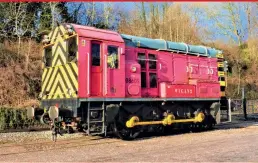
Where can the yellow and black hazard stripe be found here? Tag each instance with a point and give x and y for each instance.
(60, 82)
(222, 75)
(58, 31)
(59, 55)
(59, 49)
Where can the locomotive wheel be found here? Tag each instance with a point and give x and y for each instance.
(119, 128)
(124, 133)
(208, 123)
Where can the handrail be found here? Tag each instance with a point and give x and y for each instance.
(88, 75)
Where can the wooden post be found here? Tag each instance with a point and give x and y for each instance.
(244, 103)
(229, 110)
(252, 106)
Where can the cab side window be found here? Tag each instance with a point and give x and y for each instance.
(153, 80)
(152, 62)
(143, 80)
(95, 54)
(48, 56)
(142, 60)
(112, 59)
(72, 49)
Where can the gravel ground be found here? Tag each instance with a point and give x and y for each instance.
(23, 137)
(225, 144)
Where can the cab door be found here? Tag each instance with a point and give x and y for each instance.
(96, 53)
(114, 70)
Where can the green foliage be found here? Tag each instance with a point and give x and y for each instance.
(44, 18)
(30, 19)
(11, 118)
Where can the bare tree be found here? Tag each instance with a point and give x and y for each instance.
(108, 11)
(90, 10)
(227, 20)
(21, 20)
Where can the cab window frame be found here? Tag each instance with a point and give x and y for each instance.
(117, 59)
(74, 58)
(48, 60)
(153, 83)
(141, 58)
(152, 58)
(97, 61)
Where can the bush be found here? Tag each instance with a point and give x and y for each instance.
(11, 118)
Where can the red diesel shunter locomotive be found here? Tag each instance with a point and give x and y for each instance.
(100, 81)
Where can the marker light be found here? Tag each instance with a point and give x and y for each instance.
(133, 69)
(45, 39)
(69, 29)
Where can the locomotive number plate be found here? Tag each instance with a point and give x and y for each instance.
(131, 80)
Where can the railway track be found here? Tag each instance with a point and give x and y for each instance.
(24, 130)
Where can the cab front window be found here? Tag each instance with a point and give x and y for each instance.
(72, 49)
(47, 56)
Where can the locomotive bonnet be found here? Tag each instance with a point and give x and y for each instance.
(101, 82)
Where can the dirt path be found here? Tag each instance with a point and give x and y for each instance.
(219, 145)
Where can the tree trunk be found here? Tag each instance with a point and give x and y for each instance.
(239, 80)
(170, 31)
(93, 14)
(52, 7)
(144, 17)
(19, 45)
(28, 56)
(177, 31)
